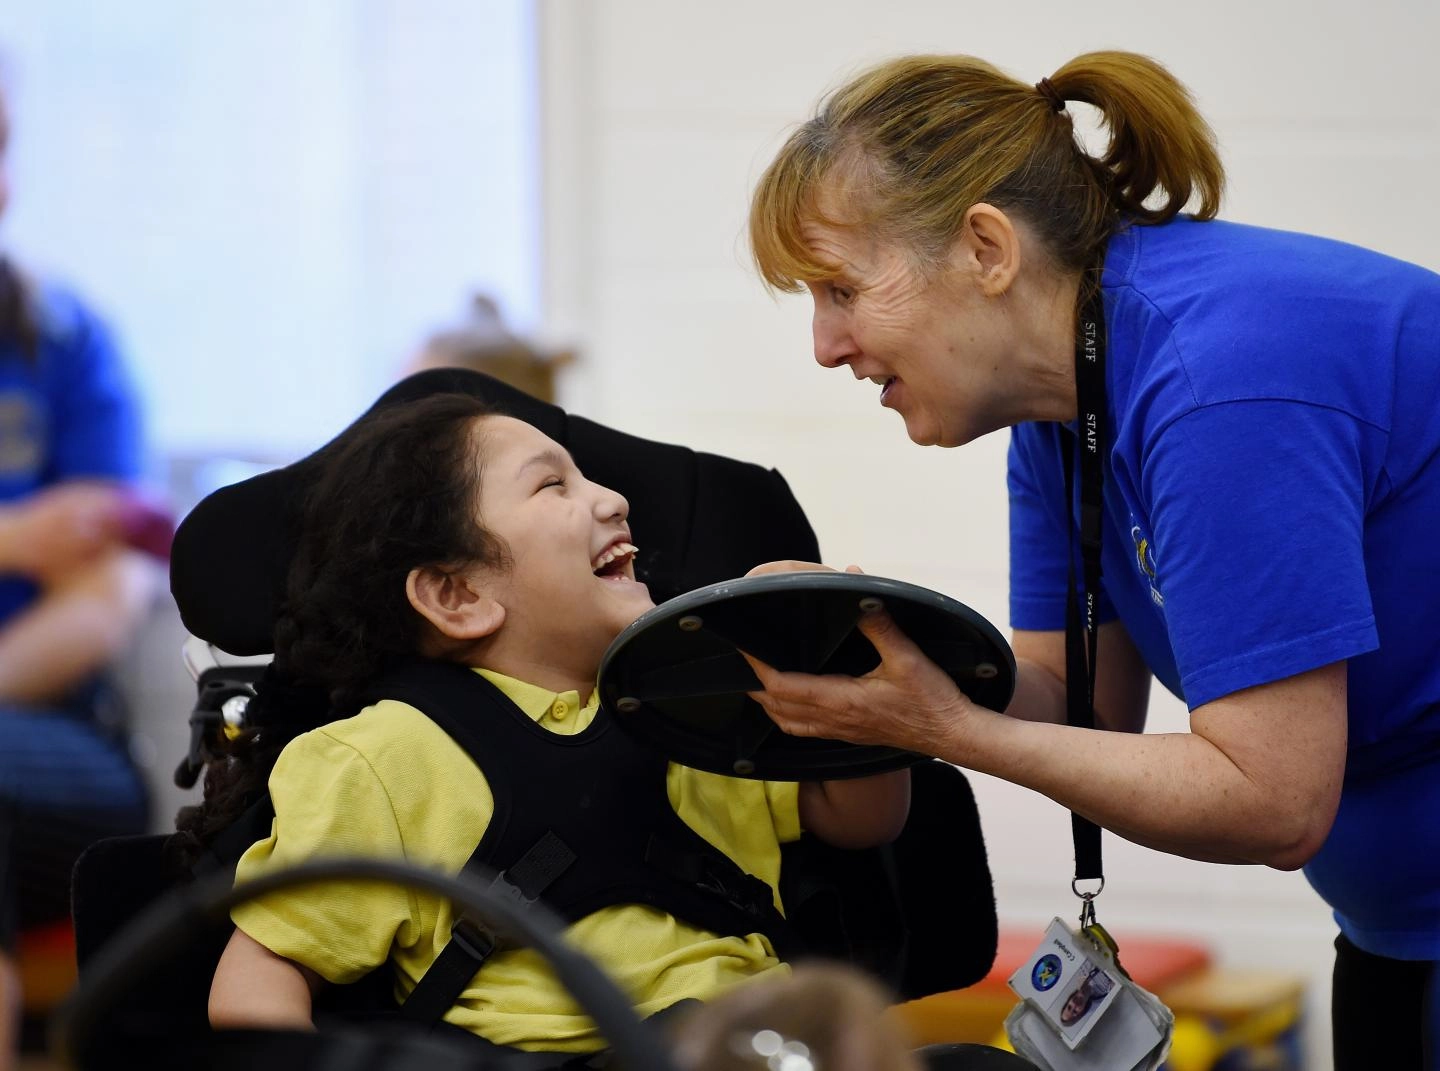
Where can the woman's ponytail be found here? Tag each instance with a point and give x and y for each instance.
(906, 148)
(1160, 145)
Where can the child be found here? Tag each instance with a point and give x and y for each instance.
(440, 530)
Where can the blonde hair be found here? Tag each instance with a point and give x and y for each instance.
(832, 1016)
(912, 144)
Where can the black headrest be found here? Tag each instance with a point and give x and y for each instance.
(697, 518)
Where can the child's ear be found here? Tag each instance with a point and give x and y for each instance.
(450, 602)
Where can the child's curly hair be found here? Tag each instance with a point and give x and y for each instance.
(398, 489)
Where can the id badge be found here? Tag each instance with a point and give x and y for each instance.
(1080, 1011)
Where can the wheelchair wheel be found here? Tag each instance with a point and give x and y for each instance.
(83, 1034)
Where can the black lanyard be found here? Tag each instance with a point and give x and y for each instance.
(1082, 636)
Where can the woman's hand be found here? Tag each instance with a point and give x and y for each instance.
(793, 566)
(907, 701)
(61, 528)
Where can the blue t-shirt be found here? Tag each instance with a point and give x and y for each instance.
(1273, 506)
(69, 414)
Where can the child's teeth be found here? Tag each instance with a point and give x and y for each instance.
(620, 550)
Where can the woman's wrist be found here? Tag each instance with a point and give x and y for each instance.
(975, 737)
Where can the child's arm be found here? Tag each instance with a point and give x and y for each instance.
(858, 813)
(255, 988)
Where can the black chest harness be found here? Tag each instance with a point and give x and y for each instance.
(583, 821)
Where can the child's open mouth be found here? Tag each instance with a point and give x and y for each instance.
(614, 562)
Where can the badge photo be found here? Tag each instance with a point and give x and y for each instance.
(1082, 1007)
(1053, 971)
(1080, 1012)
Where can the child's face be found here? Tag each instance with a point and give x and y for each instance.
(571, 587)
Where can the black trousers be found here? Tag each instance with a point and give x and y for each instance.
(1385, 1013)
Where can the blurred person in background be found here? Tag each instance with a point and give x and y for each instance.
(74, 585)
(482, 342)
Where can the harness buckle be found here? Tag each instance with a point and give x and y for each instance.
(748, 896)
(477, 941)
(511, 891)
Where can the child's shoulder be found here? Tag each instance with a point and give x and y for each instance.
(381, 767)
(386, 736)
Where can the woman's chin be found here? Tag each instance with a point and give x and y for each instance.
(922, 432)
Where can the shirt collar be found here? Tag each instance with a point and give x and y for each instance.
(537, 702)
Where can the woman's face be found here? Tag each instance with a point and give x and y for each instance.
(934, 343)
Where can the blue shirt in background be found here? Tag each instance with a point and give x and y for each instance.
(1273, 506)
(69, 414)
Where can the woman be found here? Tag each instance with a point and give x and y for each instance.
(1271, 481)
(72, 591)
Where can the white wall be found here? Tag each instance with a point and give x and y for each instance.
(661, 115)
(274, 202)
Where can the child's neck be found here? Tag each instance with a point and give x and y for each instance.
(502, 653)
(543, 674)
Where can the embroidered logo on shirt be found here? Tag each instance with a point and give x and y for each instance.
(1145, 562)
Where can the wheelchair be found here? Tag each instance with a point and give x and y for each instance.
(918, 914)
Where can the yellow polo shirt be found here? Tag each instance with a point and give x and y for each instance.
(391, 783)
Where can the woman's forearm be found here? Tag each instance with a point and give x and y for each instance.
(1039, 696)
(1122, 689)
(74, 629)
(1257, 781)
(1159, 790)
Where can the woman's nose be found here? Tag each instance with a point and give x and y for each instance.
(833, 345)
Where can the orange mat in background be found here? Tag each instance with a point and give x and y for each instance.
(45, 960)
(977, 1014)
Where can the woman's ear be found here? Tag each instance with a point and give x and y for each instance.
(453, 604)
(989, 248)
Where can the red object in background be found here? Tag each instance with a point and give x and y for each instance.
(977, 1014)
(147, 527)
(1153, 962)
(45, 958)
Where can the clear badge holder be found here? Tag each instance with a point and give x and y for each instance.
(1079, 1010)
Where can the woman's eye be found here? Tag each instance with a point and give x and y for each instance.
(553, 481)
(843, 295)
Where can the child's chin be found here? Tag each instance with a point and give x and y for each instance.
(638, 607)
(631, 590)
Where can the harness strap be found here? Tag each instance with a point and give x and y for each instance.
(717, 874)
(538, 868)
(658, 860)
(473, 941)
